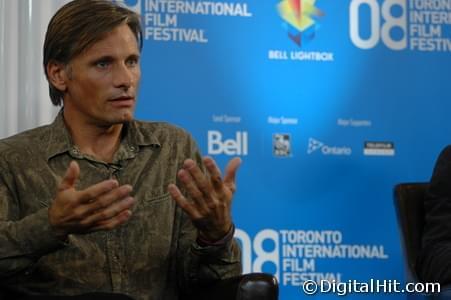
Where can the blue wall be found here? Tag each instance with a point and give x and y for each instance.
(329, 103)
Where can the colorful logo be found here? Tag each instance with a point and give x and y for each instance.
(299, 17)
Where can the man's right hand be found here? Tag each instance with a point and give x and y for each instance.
(102, 206)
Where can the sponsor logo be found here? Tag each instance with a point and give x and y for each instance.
(281, 144)
(233, 146)
(299, 19)
(314, 145)
(379, 149)
(134, 5)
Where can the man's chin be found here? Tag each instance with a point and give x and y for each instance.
(127, 116)
(118, 119)
(123, 116)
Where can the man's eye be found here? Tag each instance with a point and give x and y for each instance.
(132, 62)
(102, 64)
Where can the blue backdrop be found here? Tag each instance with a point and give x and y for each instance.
(329, 104)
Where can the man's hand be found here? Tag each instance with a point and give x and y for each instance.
(102, 206)
(210, 208)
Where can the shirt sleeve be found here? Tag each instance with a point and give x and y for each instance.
(23, 240)
(201, 265)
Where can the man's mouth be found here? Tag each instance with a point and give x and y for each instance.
(123, 101)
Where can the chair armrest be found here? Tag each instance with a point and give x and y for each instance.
(445, 293)
(259, 286)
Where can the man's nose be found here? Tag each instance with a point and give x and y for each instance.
(122, 76)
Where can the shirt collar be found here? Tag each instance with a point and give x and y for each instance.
(59, 140)
(135, 134)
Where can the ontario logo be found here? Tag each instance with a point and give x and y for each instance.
(300, 19)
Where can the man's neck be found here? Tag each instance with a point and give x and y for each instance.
(100, 142)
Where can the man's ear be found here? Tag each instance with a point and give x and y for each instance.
(57, 73)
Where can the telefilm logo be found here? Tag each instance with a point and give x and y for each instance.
(379, 148)
(416, 25)
(237, 145)
(294, 255)
(300, 21)
(315, 145)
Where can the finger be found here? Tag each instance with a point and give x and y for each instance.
(96, 190)
(200, 180)
(101, 202)
(215, 173)
(113, 222)
(193, 191)
(71, 176)
(109, 212)
(230, 173)
(178, 197)
(110, 197)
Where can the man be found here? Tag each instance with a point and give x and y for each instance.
(434, 263)
(85, 203)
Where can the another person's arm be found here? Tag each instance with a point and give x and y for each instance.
(434, 264)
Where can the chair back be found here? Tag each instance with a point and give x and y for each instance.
(409, 204)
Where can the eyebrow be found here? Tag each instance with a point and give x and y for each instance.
(135, 56)
(112, 58)
(102, 58)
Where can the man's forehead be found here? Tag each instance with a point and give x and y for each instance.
(121, 38)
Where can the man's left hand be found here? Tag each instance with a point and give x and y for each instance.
(210, 208)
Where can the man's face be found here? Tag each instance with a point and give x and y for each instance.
(102, 81)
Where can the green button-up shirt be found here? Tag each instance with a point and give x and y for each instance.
(153, 256)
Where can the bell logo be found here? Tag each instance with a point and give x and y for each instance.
(237, 146)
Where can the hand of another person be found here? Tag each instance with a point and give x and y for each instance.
(102, 206)
(210, 208)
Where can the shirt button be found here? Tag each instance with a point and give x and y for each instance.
(74, 151)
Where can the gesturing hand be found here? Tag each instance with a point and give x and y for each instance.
(210, 208)
(102, 206)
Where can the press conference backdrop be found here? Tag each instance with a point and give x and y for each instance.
(328, 103)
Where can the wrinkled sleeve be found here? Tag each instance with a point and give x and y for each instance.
(434, 264)
(22, 240)
(201, 265)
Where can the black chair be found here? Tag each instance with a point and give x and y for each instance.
(258, 286)
(409, 204)
(255, 286)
